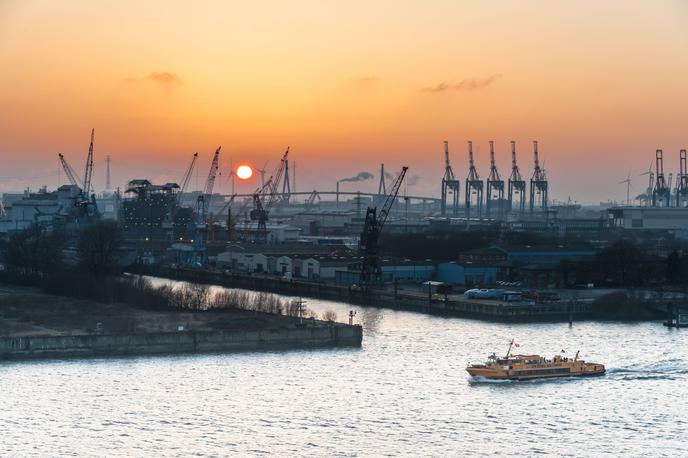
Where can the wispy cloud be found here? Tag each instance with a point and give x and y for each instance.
(165, 78)
(366, 82)
(161, 79)
(465, 85)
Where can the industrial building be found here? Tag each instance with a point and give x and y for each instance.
(60, 208)
(674, 219)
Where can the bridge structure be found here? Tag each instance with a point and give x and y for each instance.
(421, 199)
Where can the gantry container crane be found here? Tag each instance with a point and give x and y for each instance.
(495, 186)
(539, 186)
(661, 193)
(474, 186)
(682, 181)
(517, 185)
(450, 185)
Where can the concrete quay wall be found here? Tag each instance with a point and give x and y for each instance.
(33, 347)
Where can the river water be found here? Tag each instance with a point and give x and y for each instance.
(404, 393)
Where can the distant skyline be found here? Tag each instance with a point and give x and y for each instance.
(347, 85)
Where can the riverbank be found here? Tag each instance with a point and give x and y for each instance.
(452, 305)
(39, 325)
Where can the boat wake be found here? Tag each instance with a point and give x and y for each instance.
(663, 370)
(476, 380)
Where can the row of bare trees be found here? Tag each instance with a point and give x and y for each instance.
(37, 252)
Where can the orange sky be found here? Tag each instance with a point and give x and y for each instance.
(346, 84)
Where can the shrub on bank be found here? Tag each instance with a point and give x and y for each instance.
(139, 292)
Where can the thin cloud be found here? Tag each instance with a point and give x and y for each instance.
(167, 79)
(160, 79)
(367, 83)
(465, 85)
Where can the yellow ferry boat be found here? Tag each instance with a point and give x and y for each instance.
(526, 367)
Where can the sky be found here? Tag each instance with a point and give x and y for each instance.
(347, 86)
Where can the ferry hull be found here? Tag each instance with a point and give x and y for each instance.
(495, 372)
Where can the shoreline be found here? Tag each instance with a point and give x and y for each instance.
(485, 310)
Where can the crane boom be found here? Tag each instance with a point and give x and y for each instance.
(69, 171)
(187, 178)
(371, 271)
(88, 173)
(275, 181)
(265, 197)
(203, 203)
(210, 182)
(391, 198)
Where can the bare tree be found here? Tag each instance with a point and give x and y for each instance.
(34, 251)
(329, 315)
(97, 248)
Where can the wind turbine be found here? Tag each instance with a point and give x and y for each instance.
(651, 178)
(628, 188)
(262, 172)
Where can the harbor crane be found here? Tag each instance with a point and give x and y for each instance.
(661, 194)
(86, 202)
(213, 218)
(474, 185)
(265, 197)
(450, 185)
(88, 173)
(186, 179)
(69, 171)
(495, 185)
(538, 183)
(517, 185)
(203, 203)
(371, 271)
(682, 181)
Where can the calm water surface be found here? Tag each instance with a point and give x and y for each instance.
(404, 393)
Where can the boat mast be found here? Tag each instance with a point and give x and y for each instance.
(576, 358)
(509, 350)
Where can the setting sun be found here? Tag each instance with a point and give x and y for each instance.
(244, 172)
